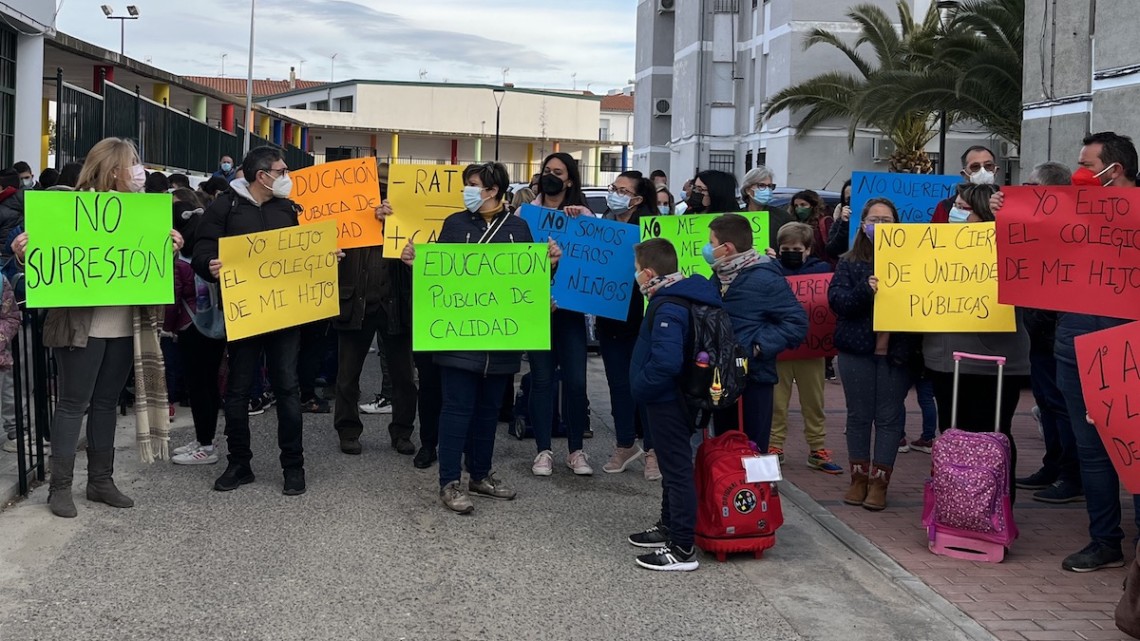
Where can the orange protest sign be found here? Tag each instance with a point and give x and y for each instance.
(346, 192)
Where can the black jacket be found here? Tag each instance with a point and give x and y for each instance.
(465, 227)
(11, 211)
(237, 214)
(853, 302)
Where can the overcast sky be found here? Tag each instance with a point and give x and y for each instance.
(450, 40)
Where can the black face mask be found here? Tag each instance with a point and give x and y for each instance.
(792, 260)
(696, 202)
(551, 185)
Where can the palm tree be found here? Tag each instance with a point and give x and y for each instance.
(857, 98)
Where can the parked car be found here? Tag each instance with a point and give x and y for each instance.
(783, 197)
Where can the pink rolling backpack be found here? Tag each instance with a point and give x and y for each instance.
(967, 509)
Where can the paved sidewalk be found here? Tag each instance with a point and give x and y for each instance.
(1025, 598)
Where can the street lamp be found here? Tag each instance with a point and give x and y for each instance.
(133, 14)
(499, 95)
(946, 9)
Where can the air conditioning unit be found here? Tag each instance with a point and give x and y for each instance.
(882, 148)
(1010, 150)
(666, 6)
(662, 107)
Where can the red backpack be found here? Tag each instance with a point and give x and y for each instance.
(733, 515)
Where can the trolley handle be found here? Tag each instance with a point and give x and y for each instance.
(1000, 361)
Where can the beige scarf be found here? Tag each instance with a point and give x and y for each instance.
(152, 418)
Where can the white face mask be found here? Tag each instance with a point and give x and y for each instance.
(28, 183)
(983, 177)
(138, 178)
(958, 215)
(282, 185)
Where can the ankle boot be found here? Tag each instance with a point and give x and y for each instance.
(857, 493)
(100, 485)
(877, 488)
(59, 487)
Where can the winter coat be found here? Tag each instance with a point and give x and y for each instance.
(11, 210)
(853, 302)
(466, 227)
(938, 350)
(766, 315)
(185, 298)
(10, 320)
(237, 214)
(812, 265)
(659, 354)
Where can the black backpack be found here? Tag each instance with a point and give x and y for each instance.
(718, 381)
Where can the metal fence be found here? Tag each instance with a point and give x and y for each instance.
(34, 391)
(165, 136)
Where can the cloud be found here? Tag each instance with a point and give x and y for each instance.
(452, 40)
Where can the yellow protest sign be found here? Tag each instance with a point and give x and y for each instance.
(938, 278)
(280, 278)
(422, 196)
(347, 192)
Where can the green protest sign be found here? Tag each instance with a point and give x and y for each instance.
(92, 249)
(690, 233)
(492, 297)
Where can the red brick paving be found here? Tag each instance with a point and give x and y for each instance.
(1027, 597)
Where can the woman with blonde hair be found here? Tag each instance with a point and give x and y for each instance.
(524, 196)
(96, 349)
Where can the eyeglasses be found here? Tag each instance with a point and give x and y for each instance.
(878, 221)
(280, 172)
(974, 168)
(614, 189)
(700, 192)
(764, 185)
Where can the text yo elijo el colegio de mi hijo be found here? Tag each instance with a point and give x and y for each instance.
(313, 292)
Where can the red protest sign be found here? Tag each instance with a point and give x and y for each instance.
(811, 291)
(1109, 363)
(1070, 249)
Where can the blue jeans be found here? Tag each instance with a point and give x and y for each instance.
(1060, 460)
(759, 403)
(671, 428)
(924, 390)
(1102, 485)
(467, 421)
(617, 352)
(876, 398)
(568, 353)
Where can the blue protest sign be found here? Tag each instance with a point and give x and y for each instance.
(595, 274)
(915, 195)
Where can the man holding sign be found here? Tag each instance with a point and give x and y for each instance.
(259, 203)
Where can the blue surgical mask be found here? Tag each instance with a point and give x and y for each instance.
(708, 252)
(227, 166)
(869, 230)
(617, 202)
(682, 197)
(958, 215)
(762, 195)
(664, 209)
(472, 199)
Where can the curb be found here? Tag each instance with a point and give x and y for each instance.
(878, 559)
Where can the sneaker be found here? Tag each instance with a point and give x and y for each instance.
(269, 399)
(621, 459)
(315, 406)
(379, 406)
(778, 452)
(491, 488)
(294, 482)
(186, 449)
(1039, 480)
(1095, 556)
(579, 461)
(821, 460)
(1060, 492)
(257, 407)
(199, 456)
(10, 445)
(922, 445)
(235, 476)
(1037, 419)
(655, 537)
(543, 464)
(455, 498)
(652, 471)
(670, 559)
(904, 447)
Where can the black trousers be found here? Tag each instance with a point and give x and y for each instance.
(202, 360)
(353, 349)
(431, 399)
(280, 350)
(315, 345)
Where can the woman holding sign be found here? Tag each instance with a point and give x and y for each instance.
(561, 185)
(96, 349)
(875, 366)
(475, 380)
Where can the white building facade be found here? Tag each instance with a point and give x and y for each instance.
(22, 105)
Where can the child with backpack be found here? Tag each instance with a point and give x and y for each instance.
(656, 379)
(876, 367)
(808, 374)
(765, 314)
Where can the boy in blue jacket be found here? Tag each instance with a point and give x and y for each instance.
(765, 314)
(654, 374)
(808, 374)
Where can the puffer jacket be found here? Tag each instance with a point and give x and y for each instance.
(765, 314)
(853, 302)
(237, 214)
